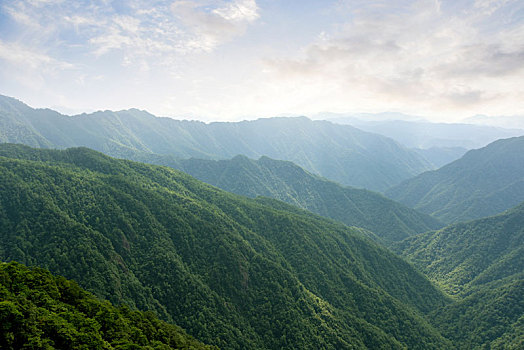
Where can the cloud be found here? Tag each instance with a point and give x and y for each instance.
(27, 58)
(30, 68)
(138, 29)
(427, 55)
(208, 29)
(239, 11)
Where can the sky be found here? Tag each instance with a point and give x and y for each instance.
(244, 59)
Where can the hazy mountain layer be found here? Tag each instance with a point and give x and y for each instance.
(440, 156)
(288, 182)
(425, 135)
(341, 153)
(231, 271)
(41, 311)
(482, 262)
(483, 182)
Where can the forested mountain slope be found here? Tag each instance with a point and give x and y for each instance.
(464, 255)
(339, 152)
(231, 271)
(483, 182)
(42, 311)
(288, 182)
(482, 263)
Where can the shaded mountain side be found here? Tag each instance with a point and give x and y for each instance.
(40, 311)
(232, 271)
(290, 183)
(483, 182)
(339, 152)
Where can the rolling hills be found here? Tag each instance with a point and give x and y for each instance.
(483, 182)
(338, 152)
(288, 182)
(233, 272)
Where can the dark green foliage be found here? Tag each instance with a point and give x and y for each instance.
(341, 153)
(290, 183)
(233, 272)
(489, 318)
(465, 255)
(41, 311)
(482, 262)
(483, 182)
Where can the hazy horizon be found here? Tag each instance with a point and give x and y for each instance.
(355, 119)
(230, 60)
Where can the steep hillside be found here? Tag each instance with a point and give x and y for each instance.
(41, 311)
(288, 182)
(341, 153)
(483, 182)
(233, 272)
(465, 255)
(482, 263)
(490, 318)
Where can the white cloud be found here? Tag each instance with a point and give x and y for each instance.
(28, 59)
(31, 70)
(137, 28)
(239, 11)
(206, 29)
(420, 57)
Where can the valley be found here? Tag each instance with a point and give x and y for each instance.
(285, 258)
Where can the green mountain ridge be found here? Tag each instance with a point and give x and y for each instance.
(483, 182)
(231, 271)
(288, 182)
(338, 152)
(465, 255)
(482, 263)
(42, 311)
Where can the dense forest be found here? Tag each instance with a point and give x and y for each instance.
(42, 311)
(285, 181)
(481, 263)
(233, 272)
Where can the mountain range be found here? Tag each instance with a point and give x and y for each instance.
(341, 153)
(422, 134)
(483, 182)
(285, 181)
(233, 272)
(270, 264)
